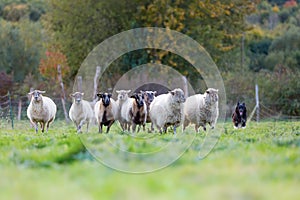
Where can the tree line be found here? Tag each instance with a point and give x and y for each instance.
(250, 41)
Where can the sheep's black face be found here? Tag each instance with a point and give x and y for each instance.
(37, 95)
(139, 98)
(77, 97)
(149, 96)
(105, 97)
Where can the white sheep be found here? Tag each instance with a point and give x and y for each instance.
(200, 109)
(106, 111)
(167, 110)
(81, 111)
(123, 100)
(41, 110)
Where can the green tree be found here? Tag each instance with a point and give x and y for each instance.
(78, 26)
(19, 52)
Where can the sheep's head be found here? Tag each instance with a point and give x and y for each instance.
(36, 95)
(178, 95)
(139, 99)
(105, 97)
(211, 96)
(123, 94)
(148, 96)
(77, 96)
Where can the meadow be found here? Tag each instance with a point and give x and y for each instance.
(259, 162)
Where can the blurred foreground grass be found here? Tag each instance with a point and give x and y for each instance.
(259, 162)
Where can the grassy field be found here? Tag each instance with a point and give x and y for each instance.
(260, 162)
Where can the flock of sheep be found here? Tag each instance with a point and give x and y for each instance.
(132, 111)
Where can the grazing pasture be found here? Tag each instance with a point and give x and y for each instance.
(259, 162)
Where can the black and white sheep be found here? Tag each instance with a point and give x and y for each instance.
(81, 111)
(200, 109)
(167, 110)
(106, 111)
(122, 102)
(138, 111)
(41, 110)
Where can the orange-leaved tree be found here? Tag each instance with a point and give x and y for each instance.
(48, 65)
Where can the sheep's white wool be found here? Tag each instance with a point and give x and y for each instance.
(81, 112)
(122, 104)
(167, 109)
(41, 110)
(200, 109)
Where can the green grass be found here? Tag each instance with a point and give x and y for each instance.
(259, 162)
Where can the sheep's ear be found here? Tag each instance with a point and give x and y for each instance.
(118, 91)
(109, 95)
(30, 93)
(128, 91)
(207, 91)
(42, 92)
(99, 95)
(244, 104)
(172, 92)
(154, 92)
(134, 95)
(71, 95)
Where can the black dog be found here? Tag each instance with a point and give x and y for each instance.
(239, 116)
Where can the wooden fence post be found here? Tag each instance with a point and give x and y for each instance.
(10, 111)
(19, 109)
(63, 96)
(257, 102)
(185, 87)
(79, 83)
(98, 69)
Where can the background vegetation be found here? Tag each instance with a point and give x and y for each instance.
(250, 41)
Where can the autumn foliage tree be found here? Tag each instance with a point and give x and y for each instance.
(48, 65)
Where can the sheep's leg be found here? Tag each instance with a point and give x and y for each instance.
(174, 130)
(36, 126)
(152, 127)
(122, 125)
(165, 129)
(87, 126)
(185, 123)
(42, 126)
(133, 127)
(48, 124)
(197, 128)
(128, 126)
(109, 125)
(100, 127)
